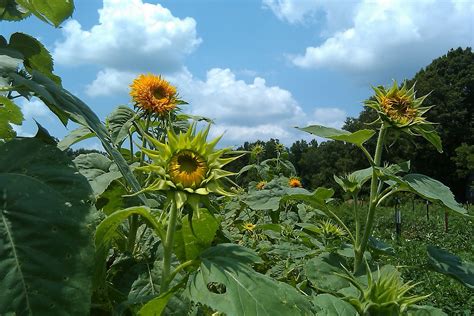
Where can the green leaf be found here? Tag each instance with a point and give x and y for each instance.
(227, 284)
(119, 123)
(428, 132)
(449, 264)
(75, 136)
(424, 310)
(98, 169)
(432, 190)
(45, 232)
(270, 197)
(10, 113)
(10, 60)
(54, 12)
(35, 55)
(321, 270)
(329, 305)
(317, 199)
(380, 247)
(107, 231)
(357, 138)
(191, 241)
(11, 11)
(65, 105)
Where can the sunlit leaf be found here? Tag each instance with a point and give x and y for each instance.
(54, 12)
(12, 11)
(119, 123)
(449, 264)
(321, 270)
(428, 132)
(329, 305)
(45, 232)
(227, 284)
(75, 136)
(10, 113)
(357, 138)
(35, 55)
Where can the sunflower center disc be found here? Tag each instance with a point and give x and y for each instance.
(187, 163)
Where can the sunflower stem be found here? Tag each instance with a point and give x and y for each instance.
(168, 248)
(361, 246)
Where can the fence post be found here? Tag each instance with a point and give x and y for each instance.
(398, 218)
(427, 210)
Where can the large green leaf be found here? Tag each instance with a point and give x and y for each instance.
(430, 189)
(329, 305)
(449, 264)
(12, 11)
(54, 12)
(98, 169)
(10, 113)
(269, 198)
(45, 232)
(107, 231)
(428, 132)
(357, 138)
(321, 272)
(35, 55)
(191, 240)
(65, 105)
(119, 123)
(316, 199)
(226, 283)
(75, 136)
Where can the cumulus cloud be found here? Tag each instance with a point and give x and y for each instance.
(130, 35)
(110, 81)
(34, 108)
(388, 35)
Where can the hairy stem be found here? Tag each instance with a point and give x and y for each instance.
(168, 248)
(362, 245)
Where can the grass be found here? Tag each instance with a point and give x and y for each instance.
(417, 233)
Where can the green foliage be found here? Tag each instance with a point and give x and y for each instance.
(46, 231)
(356, 138)
(329, 305)
(449, 264)
(10, 113)
(226, 283)
(53, 12)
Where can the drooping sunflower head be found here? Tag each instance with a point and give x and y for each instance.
(295, 182)
(154, 94)
(187, 162)
(257, 150)
(261, 185)
(329, 230)
(398, 106)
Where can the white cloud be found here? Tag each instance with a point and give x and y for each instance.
(130, 35)
(328, 116)
(387, 35)
(110, 81)
(34, 108)
(334, 14)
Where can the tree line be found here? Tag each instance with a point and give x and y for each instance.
(450, 81)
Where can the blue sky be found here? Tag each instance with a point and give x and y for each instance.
(258, 67)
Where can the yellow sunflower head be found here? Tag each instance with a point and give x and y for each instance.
(261, 185)
(249, 226)
(398, 106)
(187, 163)
(295, 183)
(154, 94)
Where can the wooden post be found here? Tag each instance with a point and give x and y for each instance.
(427, 210)
(398, 218)
(445, 221)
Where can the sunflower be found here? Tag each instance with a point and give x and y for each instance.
(153, 94)
(294, 183)
(187, 165)
(249, 226)
(398, 106)
(261, 185)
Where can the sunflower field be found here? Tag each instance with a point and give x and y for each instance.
(157, 225)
